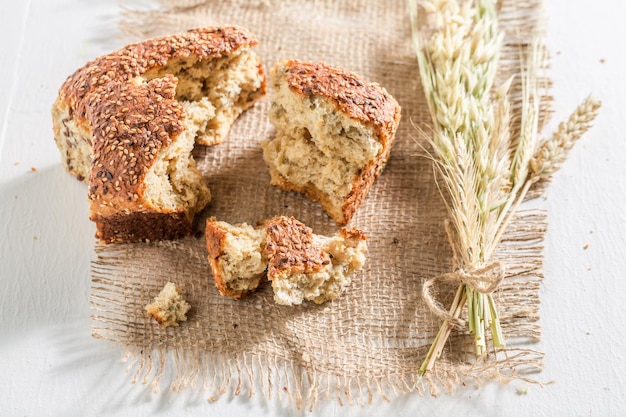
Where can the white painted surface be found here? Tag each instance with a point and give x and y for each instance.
(49, 363)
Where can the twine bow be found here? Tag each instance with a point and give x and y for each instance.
(484, 280)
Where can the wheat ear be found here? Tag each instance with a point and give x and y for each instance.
(553, 152)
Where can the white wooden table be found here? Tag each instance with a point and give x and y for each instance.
(49, 363)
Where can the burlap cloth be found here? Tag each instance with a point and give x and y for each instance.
(372, 340)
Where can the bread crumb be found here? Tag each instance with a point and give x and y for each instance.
(16, 163)
(586, 246)
(522, 390)
(169, 308)
(33, 169)
(602, 60)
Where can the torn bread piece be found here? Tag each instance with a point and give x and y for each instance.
(236, 256)
(300, 265)
(169, 308)
(334, 133)
(303, 266)
(126, 124)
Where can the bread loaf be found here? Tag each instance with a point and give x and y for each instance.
(334, 132)
(126, 123)
(300, 265)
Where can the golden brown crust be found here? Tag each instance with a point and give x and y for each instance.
(289, 247)
(352, 233)
(358, 99)
(364, 102)
(215, 241)
(155, 312)
(135, 59)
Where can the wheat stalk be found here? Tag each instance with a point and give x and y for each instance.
(485, 173)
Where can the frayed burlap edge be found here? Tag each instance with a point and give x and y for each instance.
(300, 382)
(163, 362)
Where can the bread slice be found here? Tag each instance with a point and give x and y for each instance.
(300, 265)
(126, 123)
(169, 307)
(236, 256)
(334, 133)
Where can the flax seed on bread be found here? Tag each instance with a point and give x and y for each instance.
(334, 133)
(300, 265)
(126, 123)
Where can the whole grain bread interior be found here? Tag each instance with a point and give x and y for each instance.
(126, 124)
(334, 133)
(236, 256)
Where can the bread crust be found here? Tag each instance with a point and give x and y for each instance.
(136, 59)
(290, 248)
(352, 233)
(299, 264)
(215, 241)
(356, 98)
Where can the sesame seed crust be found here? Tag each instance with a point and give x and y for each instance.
(350, 94)
(352, 233)
(135, 59)
(289, 247)
(131, 123)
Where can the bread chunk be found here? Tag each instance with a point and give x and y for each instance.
(300, 265)
(334, 133)
(169, 308)
(236, 257)
(303, 266)
(126, 124)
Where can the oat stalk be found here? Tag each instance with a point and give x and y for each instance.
(485, 170)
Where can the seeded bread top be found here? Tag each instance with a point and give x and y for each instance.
(350, 94)
(135, 59)
(352, 233)
(131, 122)
(290, 248)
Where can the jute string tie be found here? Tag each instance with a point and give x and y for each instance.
(485, 280)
